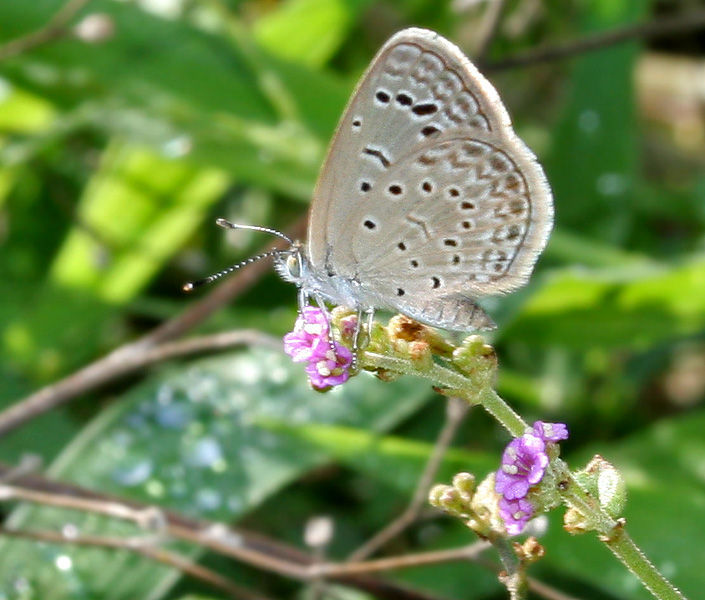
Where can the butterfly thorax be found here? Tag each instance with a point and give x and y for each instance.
(295, 266)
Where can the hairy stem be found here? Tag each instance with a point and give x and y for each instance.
(477, 390)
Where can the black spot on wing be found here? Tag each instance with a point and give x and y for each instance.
(378, 154)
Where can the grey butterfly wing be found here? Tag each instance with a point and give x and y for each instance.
(423, 174)
(453, 220)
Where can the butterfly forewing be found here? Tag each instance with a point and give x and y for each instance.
(427, 192)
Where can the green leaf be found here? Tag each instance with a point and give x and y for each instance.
(396, 464)
(306, 31)
(593, 166)
(395, 461)
(159, 80)
(137, 210)
(189, 440)
(631, 307)
(23, 112)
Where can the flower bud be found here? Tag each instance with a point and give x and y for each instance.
(476, 358)
(420, 355)
(401, 327)
(530, 551)
(574, 522)
(447, 498)
(465, 484)
(435, 495)
(485, 504)
(387, 375)
(605, 483)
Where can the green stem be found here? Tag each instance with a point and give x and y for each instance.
(500, 410)
(624, 548)
(465, 387)
(612, 533)
(478, 390)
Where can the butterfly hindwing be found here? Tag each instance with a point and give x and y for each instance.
(455, 216)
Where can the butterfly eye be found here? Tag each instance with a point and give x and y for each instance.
(293, 265)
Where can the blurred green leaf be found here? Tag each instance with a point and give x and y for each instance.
(396, 462)
(137, 210)
(39, 329)
(593, 165)
(189, 440)
(158, 80)
(631, 307)
(138, 61)
(21, 112)
(306, 31)
(571, 248)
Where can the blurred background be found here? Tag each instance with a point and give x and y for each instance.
(127, 127)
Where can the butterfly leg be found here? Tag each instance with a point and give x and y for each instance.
(326, 314)
(303, 300)
(361, 338)
(356, 340)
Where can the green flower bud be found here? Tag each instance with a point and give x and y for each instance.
(465, 484)
(475, 358)
(605, 483)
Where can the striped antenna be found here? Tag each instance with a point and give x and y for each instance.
(187, 287)
(228, 225)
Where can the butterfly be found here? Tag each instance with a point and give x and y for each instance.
(427, 199)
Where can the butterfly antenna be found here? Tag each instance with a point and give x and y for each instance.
(194, 284)
(228, 225)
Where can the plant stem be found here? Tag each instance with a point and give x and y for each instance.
(478, 390)
(474, 392)
(500, 410)
(613, 534)
(624, 548)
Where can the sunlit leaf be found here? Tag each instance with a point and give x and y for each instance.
(137, 210)
(307, 31)
(631, 307)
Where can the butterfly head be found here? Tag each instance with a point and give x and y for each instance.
(292, 265)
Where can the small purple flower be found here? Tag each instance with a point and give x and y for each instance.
(515, 514)
(523, 464)
(309, 343)
(310, 327)
(550, 432)
(326, 367)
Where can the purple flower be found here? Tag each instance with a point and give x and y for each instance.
(310, 327)
(309, 343)
(515, 514)
(550, 432)
(326, 367)
(523, 464)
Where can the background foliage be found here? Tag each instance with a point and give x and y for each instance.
(115, 159)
